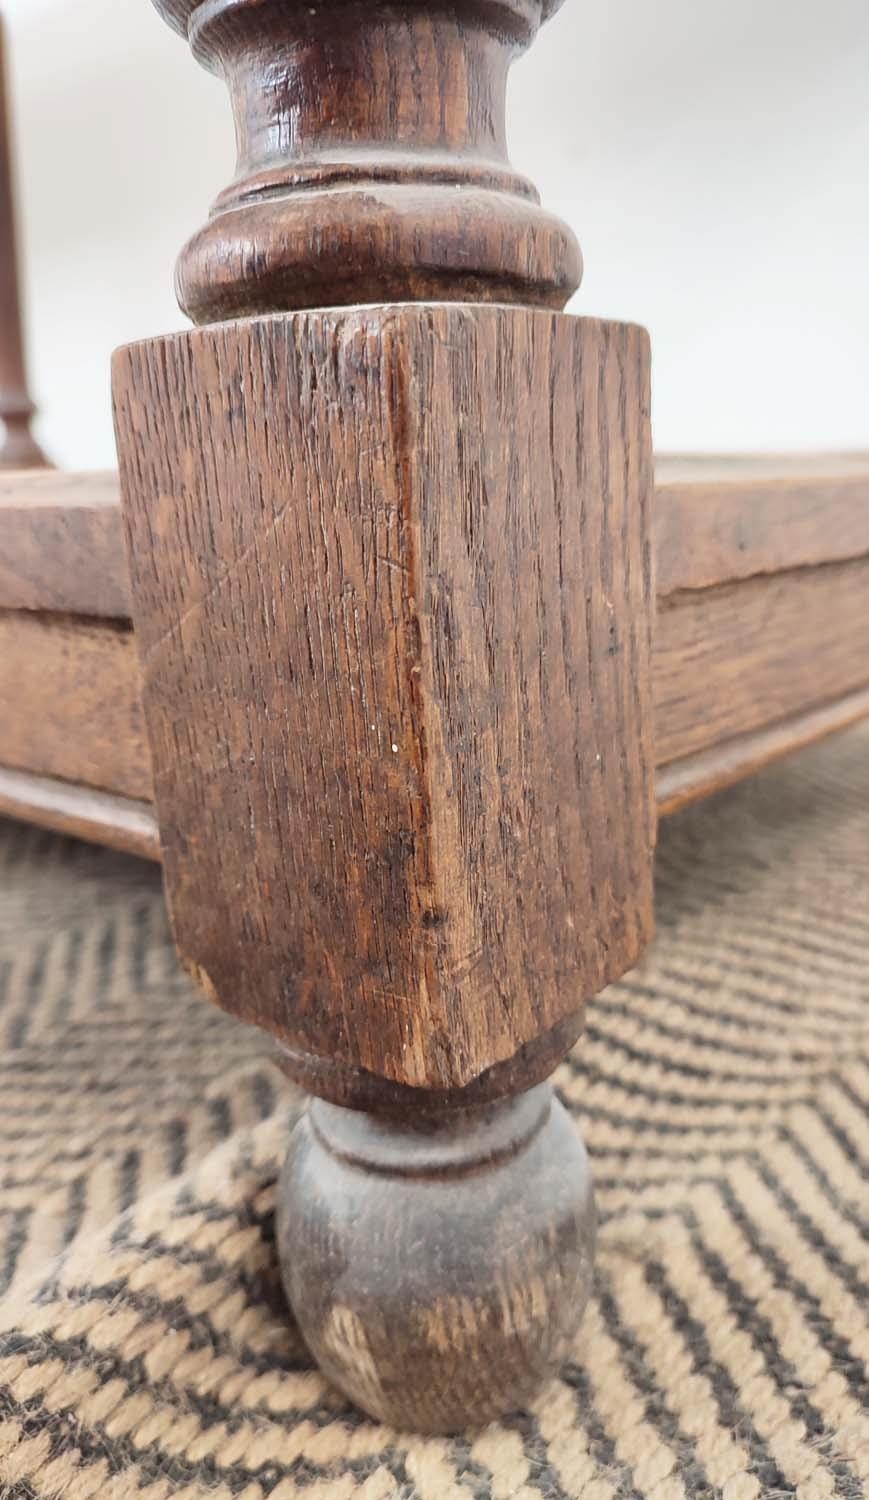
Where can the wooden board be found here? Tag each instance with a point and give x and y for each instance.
(715, 521)
(767, 521)
(731, 760)
(70, 695)
(81, 812)
(745, 655)
(61, 544)
(121, 823)
(720, 520)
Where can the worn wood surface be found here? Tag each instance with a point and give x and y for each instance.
(81, 812)
(372, 160)
(726, 519)
(714, 521)
(18, 448)
(404, 688)
(438, 1264)
(730, 760)
(118, 823)
(62, 544)
(747, 655)
(62, 547)
(71, 706)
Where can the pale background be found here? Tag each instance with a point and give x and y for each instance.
(712, 155)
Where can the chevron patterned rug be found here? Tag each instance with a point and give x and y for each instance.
(722, 1088)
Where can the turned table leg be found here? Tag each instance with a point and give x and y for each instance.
(19, 449)
(391, 576)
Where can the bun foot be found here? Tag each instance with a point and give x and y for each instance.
(438, 1268)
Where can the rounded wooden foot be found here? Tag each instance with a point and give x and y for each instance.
(438, 1268)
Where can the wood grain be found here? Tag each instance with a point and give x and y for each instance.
(714, 521)
(369, 686)
(372, 160)
(70, 694)
(119, 823)
(62, 544)
(734, 659)
(731, 760)
(717, 523)
(81, 812)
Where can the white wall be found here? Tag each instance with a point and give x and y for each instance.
(713, 156)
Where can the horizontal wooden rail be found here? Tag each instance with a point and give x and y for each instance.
(722, 520)
(69, 687)
(683, 781)
(101, 817)
(717, 520)
(762, 635)
(61, 544)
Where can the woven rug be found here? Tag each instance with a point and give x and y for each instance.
(145, 1349)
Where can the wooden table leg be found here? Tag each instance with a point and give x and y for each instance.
(19, 449)
(391, 576)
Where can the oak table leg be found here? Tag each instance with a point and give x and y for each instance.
(391, 579)
(19, 449)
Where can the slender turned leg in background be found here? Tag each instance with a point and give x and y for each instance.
(19, 449)
(391, 576)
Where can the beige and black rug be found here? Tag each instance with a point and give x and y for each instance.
(722, 1089)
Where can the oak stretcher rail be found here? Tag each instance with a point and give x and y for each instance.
(753, 554)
